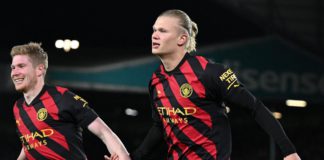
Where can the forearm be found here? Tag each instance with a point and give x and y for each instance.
(265, 119)
(243, 98)
(22, 155)
(113, 143)
(293, 156)
(109, 138)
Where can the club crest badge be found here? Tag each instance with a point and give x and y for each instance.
(42, 114)
(186, 90)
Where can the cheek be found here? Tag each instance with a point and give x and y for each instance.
(172, 42)
(169, 40)
(30, 74)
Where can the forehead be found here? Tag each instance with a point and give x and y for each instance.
(166, 22)
(17, 59)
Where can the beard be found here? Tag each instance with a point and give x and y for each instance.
(20, 89)
(29, 85)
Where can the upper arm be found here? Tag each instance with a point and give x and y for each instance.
(224, 85)
(78, 109)
(220, 80)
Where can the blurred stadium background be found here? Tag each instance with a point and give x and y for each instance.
(276, 48)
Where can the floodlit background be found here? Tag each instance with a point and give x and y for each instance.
(101, 51)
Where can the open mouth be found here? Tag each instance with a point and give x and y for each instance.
(155, 45)
(18, 80)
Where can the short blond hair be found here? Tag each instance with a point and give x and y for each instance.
(34, 51)
(186, 23)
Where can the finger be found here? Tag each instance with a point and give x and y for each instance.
(114, 157)
(106, 157)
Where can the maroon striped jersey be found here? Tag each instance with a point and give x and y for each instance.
(188, 104)
(50, 127)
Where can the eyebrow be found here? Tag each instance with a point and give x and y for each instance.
(19, 64)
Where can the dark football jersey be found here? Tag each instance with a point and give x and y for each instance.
(188, 103)
(50, 127)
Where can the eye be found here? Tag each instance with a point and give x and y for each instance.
(162, 30)
(21, 65)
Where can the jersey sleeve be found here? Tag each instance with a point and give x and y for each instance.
(225, 85)
(220, 80)
(78, 109)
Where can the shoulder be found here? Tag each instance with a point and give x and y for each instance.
(219, 73)
(214, 68)
(61, 90)
(197, 61)
(207, 63)
(59, 93)
(54, 89)
(71, 98)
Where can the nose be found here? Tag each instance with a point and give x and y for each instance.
(155, 35)
(14, 72)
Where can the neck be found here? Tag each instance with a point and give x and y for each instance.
(171, 61)
(33, 92)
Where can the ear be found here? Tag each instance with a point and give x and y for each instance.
(182, 39)
(40, 69)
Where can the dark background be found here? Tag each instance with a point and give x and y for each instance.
(116, 30)
(115, 26)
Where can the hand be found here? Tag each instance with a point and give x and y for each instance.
(293, 156)
(112, 157)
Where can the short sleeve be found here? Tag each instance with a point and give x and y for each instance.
(79, 109)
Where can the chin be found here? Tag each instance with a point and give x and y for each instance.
(20, 89)
(155, 52)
